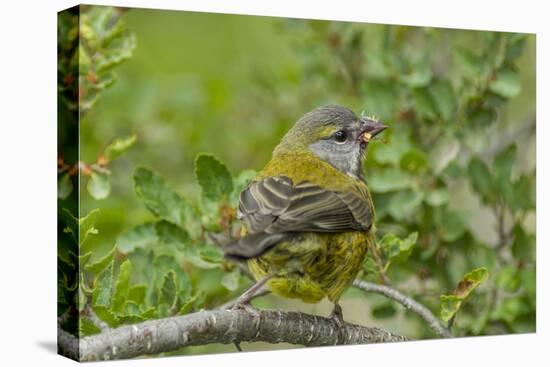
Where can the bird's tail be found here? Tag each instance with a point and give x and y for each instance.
(254, 245)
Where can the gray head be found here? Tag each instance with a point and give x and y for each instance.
(334, 134)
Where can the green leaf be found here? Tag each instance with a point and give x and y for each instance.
(523, 194)
(170, 234)
(87, 327)
(148, 313)
(169, 289)
(507, 83)
(390, 180)
(105, 314)
(204, 257)
(404, 204)
(64, 186)
(165, 203)
(509, 310)
(453, 170)
(81, 228)
(392, 152)
(190, 303)
(482, 116)
(437, 197)
(97, 266)
(119, 147)
(529, 282)
(136, 293)
(515, 45)
(381, 96)
(137, 237)
(213, 176)
(481, 179)
(231, 280)
(414, 161)
(420, 76)
(99, 185)
(122, 286)
(444, 97)
(508, 278)
(424, 103)
(450, 304)
(103, 287)
(471, 281)
(470, 62)
(396, 250)
(131, 313)
(523, 247)
(164, 263)
(86, 225)
(451, 225)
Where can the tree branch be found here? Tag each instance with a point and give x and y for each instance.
(409, 303)
(220, 326)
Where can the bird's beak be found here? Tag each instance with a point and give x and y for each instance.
(371, 129)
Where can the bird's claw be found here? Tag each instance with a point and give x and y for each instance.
(337, 316)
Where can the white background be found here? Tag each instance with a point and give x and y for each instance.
(28, 180)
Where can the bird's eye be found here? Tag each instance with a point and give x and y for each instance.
(340, 136)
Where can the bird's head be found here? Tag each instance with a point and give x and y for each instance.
(334, 134)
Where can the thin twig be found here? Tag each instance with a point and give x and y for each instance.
(233, 302)
(408, 302)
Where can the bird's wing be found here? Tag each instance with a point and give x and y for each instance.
(274, 208)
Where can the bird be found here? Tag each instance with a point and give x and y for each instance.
(308, 216)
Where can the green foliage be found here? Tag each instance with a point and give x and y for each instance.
(64, 186)
(104, 43)
(99, 186)
(450, 304)
(162, 201)
(396, 250)
(96, 267)
(215, 180)
(119, 147)
(90, 46)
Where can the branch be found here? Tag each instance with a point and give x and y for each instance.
(220, 326)
(409, 303)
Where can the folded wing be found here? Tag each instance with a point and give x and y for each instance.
(274, 209)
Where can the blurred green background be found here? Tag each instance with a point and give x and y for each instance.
(232, 85)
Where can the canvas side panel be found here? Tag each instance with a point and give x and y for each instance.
(68, 176)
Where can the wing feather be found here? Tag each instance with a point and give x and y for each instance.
(274, 209)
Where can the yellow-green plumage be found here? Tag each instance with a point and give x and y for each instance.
(317, 265)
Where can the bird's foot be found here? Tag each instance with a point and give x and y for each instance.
(249, 309)
(337, 316)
